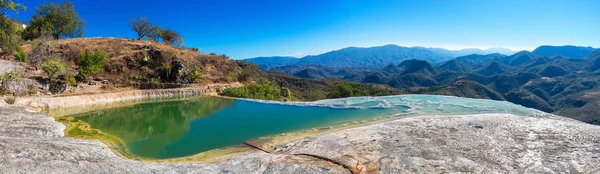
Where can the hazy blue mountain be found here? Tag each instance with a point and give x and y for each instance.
(569, 51)
(372, 57)
(272, 62)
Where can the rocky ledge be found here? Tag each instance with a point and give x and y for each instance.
(31, 142)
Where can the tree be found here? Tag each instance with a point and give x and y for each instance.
(154, 34)
(9, 5)
(8, 41)
(8, 31)
(58, 20)
(52, 66)
(141, 26)
(91, 64)
(171, 37)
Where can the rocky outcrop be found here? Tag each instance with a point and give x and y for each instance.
(488, 143)
(21, 86)
(6, 67)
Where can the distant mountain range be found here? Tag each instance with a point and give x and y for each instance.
(377, 57)
(551, 78)
(570, 51)
(372, 57)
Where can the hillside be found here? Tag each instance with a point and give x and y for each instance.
(129, 63)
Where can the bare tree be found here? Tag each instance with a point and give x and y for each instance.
(142, 26)
(171, 37)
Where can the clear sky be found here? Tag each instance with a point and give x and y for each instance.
(251, 28)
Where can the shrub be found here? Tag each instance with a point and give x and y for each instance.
(91, 64)
(195, 75)
(70, 79)
(195, 49)
(52, 66)
(20, 55)
(72, 53)
(10, 99)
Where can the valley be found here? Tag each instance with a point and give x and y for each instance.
(550, 82)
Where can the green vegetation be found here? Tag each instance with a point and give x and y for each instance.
(70, 79)
(20, 55)
(91, 64)
(263, 91)
(8, 31)
(195, 75)
(347, 89)
(52, 65)
(56, 20)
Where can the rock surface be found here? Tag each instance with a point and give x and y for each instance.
(489, 143)
(6, 67)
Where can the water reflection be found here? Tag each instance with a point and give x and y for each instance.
(152, 126)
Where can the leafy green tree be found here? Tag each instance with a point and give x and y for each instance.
(8, 41)
(9, 5)
(8, 31)
(91, 64)
(347, 89)
(52, 66)
(264, 91)
(57, 20)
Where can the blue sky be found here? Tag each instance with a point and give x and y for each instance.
(251, 28)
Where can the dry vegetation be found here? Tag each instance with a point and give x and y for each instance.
(135, 61)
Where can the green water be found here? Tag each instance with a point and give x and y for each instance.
(173, 129)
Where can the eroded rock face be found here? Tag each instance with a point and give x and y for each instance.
(488, 143)
(21, 86)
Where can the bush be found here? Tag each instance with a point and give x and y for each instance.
(195, 75)
(20, 55)
(70, 79)
(91, 64)
(52, 66)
